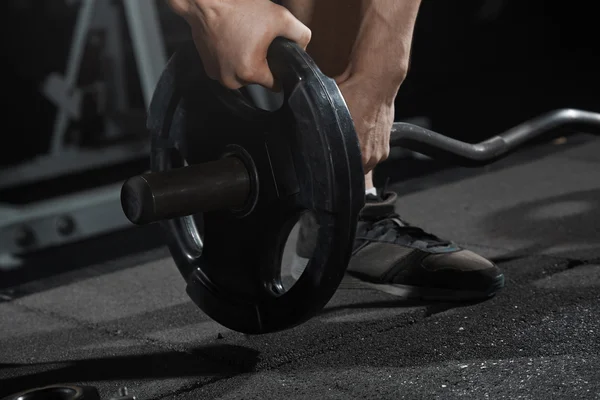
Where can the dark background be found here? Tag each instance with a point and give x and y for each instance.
(476, 77)
(473, 73)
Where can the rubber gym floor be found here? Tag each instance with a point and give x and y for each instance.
(127, 322)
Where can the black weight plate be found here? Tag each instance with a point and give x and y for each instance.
(304, 156)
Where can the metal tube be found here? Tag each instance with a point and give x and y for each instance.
(547, 122)
(80, 35)
(180, 192)
(441, 147)
(148, 43)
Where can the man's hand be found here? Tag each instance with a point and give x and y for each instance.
(233, 37)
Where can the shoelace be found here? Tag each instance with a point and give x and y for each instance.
(402, 229)
(393, 221)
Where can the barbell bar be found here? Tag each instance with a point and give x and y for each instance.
(228, 182)
(225, 183)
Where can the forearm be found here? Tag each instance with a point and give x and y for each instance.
(382, 48)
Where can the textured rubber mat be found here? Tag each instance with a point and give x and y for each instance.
(538, 338)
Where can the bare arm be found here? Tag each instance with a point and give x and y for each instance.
(365, 45)
(382, 48)
(377, 66)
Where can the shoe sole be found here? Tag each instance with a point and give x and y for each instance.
(438, 294)
(414, 292)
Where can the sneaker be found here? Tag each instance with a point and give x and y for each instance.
(401, 259)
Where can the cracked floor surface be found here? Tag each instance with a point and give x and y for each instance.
(128, 322)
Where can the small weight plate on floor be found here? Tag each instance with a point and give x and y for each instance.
(57, 392)
(302, 157)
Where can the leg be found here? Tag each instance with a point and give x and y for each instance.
(389, 253)
(334, 25)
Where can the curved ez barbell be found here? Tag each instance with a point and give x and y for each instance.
(438, 146)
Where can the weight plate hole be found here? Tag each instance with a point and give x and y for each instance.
(262, 98)
(298, 249)
(50, 393)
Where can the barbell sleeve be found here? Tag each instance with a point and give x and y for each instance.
(179, 192)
